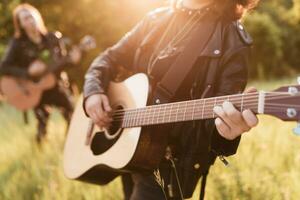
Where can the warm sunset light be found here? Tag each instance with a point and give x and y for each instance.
(149, 99)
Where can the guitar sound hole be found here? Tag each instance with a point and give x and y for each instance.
(101, 143)
(116, 123)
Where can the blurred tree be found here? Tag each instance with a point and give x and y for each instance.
(6, 26)
(291, 35)
(275, 29)
(267, 42)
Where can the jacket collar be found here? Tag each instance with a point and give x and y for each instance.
(214, 46)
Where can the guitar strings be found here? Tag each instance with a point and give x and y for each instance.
(197, 117)
(187, 112)
(208, 101)
(196, 101)
(246, 99)
(148, 123)
(151, 122)
(202, 104)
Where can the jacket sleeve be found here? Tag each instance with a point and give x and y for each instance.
(105, 65)
(232, 80)
(59, 57)
(9, 65)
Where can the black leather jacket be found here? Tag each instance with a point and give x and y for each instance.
(198, 143)
(21, 52)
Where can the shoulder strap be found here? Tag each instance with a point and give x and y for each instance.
(168, 86)
(203, 185)
(211, 75)
(152, 34)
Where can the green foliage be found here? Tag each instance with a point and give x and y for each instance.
(2, 49)
(267, 41)
(275, 30)
(6, 26)
(29, 171)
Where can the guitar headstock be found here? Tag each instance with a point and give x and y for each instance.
(87, 43)
(283, 103)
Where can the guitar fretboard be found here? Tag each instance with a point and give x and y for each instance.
(184, 111)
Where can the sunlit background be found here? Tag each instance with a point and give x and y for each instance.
(267, 165)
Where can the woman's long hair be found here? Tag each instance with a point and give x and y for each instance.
(36, 15)
(232, 9)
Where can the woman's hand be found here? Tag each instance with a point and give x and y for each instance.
(98, 108)
(232, 123)
(37, 68)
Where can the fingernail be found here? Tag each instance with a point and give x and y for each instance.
(252, 119)
(217, 121)
(227, 103)
(216, 108)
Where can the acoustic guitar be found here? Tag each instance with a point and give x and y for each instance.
(25, 94)
(137, 138)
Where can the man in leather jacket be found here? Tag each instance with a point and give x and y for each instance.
(143, 49)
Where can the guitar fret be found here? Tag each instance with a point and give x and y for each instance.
(214, 106)
(179, 111)
(142, 115)
(136, 118)
(202, 117)
(198, 109)
(184, 113)
(140, 118)
(194, 110)
(124, 120)
(148, 115)
(242, 103)
(170, 113)
(131, 118)
(176, 119)
(164, 114)
(158, 112)
(145, 116)
(128, 118)
(153, 116)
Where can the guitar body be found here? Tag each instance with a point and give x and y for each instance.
(98, 156)
(101, 159)
(25, 94)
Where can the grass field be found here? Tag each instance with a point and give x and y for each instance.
(267, 165)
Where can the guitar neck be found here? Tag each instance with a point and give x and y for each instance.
(187, 110)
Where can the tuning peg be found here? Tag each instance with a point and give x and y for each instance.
(297, 129)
